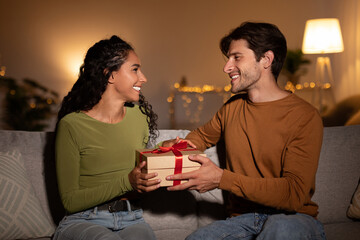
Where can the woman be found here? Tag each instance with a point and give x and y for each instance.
(97, 134)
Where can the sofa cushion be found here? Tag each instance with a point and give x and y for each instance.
(354, 208)
(21, 215)
(338, 172)
(342, 231)
(37, 151)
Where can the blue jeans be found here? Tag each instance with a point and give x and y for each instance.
(262, 227)
(93, 224)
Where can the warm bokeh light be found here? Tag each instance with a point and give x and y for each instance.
(290, 87)
(299, 86)
(2, 70)
(197, 89)
(227, 88)
(169, 99)
(73, 63)
(70, 65)
(68, 59)
(327, 85)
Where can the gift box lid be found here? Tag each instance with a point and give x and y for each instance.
(167, 159)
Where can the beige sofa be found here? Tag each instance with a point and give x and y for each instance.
(30, 206)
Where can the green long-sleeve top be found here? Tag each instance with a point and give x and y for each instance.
(93, 158)
(272, 153)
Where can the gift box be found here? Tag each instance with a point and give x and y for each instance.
(168, 161)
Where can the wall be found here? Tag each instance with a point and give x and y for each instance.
(347, 64)
(47, 40)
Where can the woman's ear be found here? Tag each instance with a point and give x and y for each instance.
(111, 77)
(267, 59)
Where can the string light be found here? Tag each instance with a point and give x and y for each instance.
(290, 87)
(193, 99)
(2, 71)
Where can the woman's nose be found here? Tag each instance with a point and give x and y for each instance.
(142, 78)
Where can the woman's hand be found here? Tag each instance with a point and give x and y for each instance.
(171, 142)
(141, 181)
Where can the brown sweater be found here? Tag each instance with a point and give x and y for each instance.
(272, 153)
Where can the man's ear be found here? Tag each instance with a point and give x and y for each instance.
(267, 59)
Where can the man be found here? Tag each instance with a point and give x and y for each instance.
(273, 140)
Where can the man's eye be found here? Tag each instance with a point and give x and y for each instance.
(135, 69)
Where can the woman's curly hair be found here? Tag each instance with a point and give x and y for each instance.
(105, 57)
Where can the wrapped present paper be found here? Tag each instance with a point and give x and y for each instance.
(168, 161)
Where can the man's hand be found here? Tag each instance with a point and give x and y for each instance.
(171, 142)
(140, 181)
(206, 178)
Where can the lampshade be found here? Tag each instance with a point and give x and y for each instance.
(322, 35)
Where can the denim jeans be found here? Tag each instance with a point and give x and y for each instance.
(262, 227)
(93, 224)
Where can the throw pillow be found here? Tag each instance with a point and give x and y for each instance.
(21, 215)
(354, 208)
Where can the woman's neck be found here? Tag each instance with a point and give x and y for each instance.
(108, 111)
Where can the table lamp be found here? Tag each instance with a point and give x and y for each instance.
(322, 36)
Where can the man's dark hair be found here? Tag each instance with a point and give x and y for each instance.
(261, 37)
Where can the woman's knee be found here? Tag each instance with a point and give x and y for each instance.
(138, 231)
(83, 231)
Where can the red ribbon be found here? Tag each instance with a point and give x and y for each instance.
(176, 148)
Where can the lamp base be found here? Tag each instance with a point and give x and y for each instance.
(324, 80)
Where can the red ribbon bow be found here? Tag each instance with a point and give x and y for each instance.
(178, 156)
(175, 148)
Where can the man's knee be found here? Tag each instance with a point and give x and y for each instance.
(295, 226)
(280, 224)
(211, 231)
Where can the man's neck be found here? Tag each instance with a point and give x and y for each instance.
(266, 92)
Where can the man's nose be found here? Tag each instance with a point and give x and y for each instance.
(229, 67)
